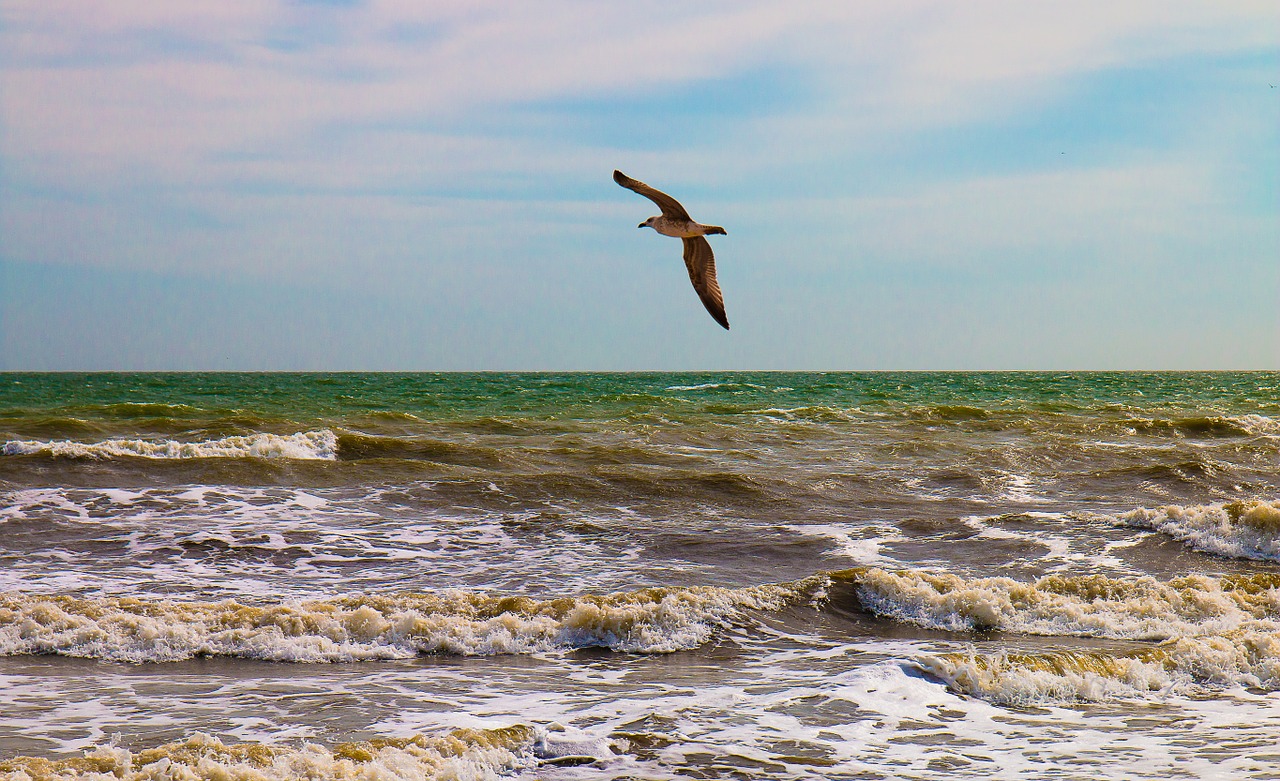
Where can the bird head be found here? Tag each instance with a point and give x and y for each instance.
(647, 223)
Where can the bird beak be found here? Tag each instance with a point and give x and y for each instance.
(641, 225)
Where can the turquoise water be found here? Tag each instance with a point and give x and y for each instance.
(765, 575)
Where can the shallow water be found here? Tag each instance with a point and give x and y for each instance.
(641, 575)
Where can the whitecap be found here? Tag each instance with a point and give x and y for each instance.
(322, 444)
(129, 629)
(1248, 529)
(462, 755)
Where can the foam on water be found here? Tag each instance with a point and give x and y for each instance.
(322, 444)
(780, 712)
(1140, 608)
(1240, 658)
(462, 755)
(211, 542)
(1258, 424)
(810, 414)
(861, 544)
(1057, 546)
(715, 385)
(1020, 488)
(1192, 630)
(656, 620)
(1207, 630)
(1241, 529)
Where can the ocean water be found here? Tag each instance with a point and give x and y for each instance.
(640, 576)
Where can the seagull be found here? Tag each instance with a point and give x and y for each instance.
(675, 221)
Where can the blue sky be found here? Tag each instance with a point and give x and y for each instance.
(426, 186)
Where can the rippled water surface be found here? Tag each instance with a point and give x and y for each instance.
(608, 576)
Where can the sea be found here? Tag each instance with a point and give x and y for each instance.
(640, 576)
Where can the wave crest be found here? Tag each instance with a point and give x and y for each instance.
(1242, 529)
(1198, 629)
(1241, 657)
(460, 755)
(655, 620)
(1072, 606)
(1207, 630)
(322, 444)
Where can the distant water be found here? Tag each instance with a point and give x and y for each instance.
(609, 576)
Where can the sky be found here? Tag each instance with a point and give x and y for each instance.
(427, 186)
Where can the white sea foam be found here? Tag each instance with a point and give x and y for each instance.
(1024, 679)
(372, 627)
(1202, 630)
(859, 543)
(217, 542)
(462, 755)
(322, 444)
(1082, 606)
(1258, 424)
(768, 711)
(1239, 658)
(1020, 488)
(1243, 529)
(713, 385)
(811, 413)
(1193, 630)
(1052, 531)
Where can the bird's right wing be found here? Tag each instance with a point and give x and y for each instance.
(670, 206)
(702, 273)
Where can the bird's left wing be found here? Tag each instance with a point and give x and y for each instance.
(702, 273)
(670, 206)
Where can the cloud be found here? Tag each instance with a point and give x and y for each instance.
(134, 83)
(415, 150)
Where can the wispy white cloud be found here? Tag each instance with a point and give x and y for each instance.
(132, 82)
(397, 145)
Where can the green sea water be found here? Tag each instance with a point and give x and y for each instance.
(310, 398)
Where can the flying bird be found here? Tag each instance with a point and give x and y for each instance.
(675, 221)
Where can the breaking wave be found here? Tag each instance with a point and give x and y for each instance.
(1194, 630)
(1201, 630)
(461, 755)
(1246, 657)
(1066, 606)
(322, 444)
(654, 620)
(1243, 529)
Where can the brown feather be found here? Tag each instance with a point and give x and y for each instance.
(670, 206)
(701, 263)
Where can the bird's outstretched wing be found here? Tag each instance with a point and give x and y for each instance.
(702, 273)
(670, 206)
